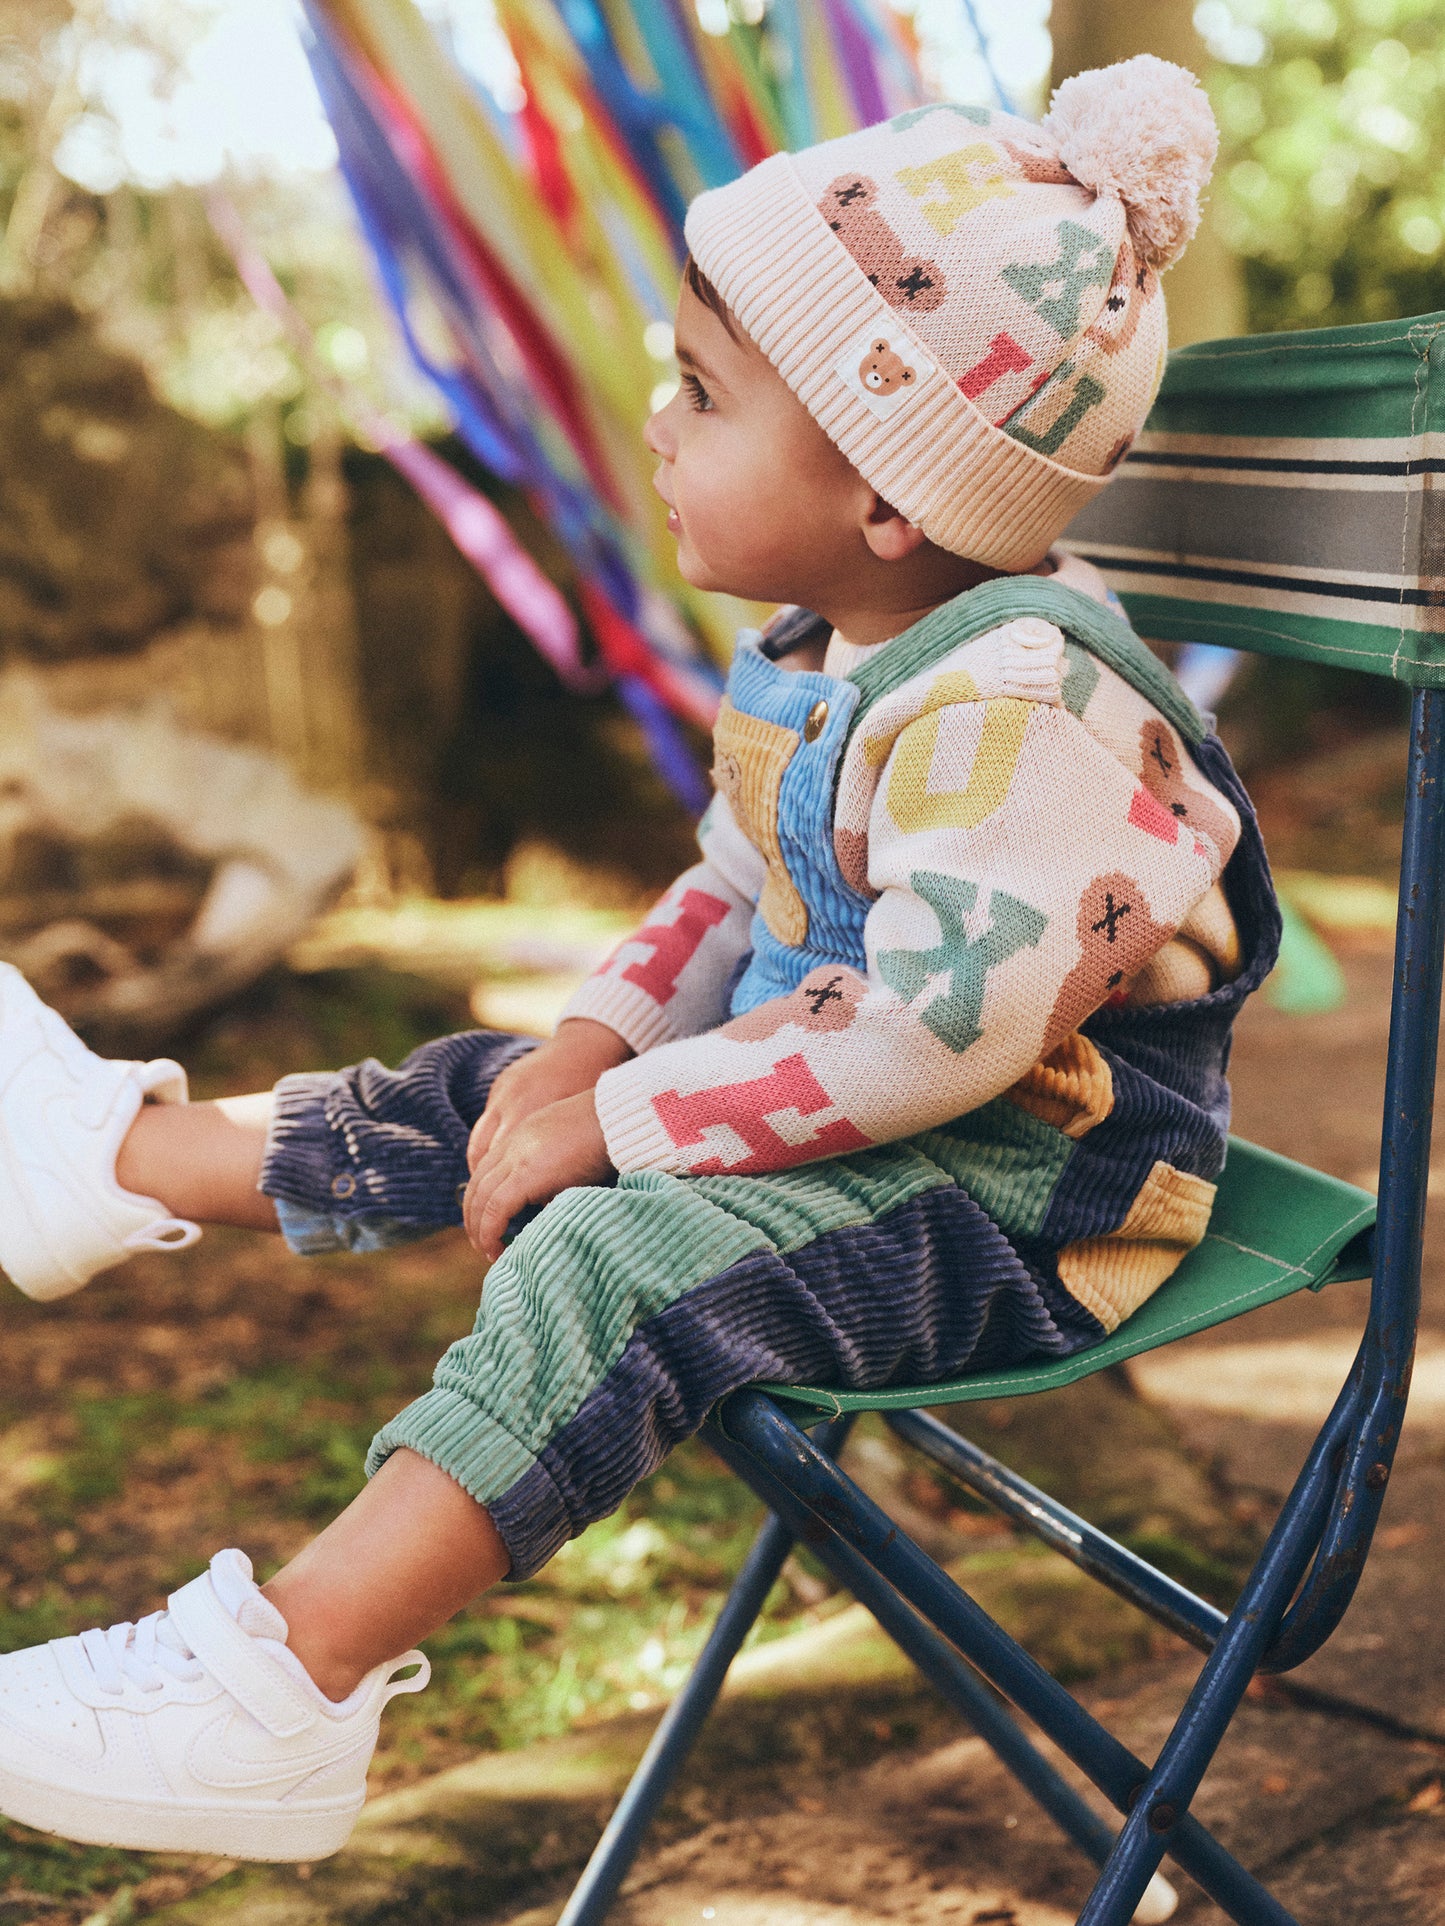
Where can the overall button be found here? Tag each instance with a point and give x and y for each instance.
(344, 1185)
(817, 722)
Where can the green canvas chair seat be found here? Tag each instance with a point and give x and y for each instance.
(1282, 500)
(1276, 1228)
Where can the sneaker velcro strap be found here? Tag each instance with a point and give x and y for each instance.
(233, 1658)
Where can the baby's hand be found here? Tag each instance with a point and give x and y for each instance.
(556, 1147)
(564, 1066)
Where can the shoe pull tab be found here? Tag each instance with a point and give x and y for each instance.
(416, 1682)
(165, 1234)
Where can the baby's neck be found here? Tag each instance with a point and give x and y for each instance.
(866, 627)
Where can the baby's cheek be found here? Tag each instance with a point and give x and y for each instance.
(737, 509)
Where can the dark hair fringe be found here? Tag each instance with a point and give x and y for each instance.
(699, 284)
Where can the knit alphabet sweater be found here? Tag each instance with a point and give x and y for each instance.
(1005, 840)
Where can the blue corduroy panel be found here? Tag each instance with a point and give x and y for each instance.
(836, 913)
(383, 1150)
(925, 1292)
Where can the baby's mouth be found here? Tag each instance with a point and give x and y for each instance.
(674, 524)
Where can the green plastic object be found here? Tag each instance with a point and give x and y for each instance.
(1277, 1228)
(1307, 979)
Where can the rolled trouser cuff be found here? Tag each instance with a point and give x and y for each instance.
(524, 1502)
(363, 1158)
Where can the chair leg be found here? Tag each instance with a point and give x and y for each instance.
(667, 1751)
(783, 1455)
(951, 1677)
(618, 1847)
(1185, 1755)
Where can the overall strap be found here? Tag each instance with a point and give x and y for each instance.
(977, 610)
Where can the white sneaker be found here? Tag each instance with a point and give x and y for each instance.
(197, 1730)
(64, 1113)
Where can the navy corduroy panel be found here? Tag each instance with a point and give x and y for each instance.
(926, 1292)
(361, 1158)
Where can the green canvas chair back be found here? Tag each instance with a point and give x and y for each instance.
(1284, 499)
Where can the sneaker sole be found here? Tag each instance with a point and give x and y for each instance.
(272, 1833)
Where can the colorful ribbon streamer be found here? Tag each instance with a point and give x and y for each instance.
(544, 239)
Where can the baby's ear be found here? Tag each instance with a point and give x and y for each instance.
(891, 537)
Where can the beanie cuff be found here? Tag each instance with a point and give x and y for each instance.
(928, 451)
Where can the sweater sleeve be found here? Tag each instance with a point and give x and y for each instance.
(1023, 875)
(672, 976)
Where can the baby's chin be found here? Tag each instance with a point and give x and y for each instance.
(728, 576)
(697, 572)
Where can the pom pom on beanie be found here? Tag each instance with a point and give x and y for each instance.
(1143, 131)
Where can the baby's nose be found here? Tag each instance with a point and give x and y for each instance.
(656, 434)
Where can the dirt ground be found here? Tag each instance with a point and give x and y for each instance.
(226, 1396)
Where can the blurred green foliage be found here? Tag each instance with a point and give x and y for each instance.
(1331, 184)
(144, 258)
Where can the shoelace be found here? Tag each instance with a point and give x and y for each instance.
(145, 1653)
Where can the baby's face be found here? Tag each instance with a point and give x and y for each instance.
(763, 504)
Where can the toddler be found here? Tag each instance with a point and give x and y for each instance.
(921, 1069)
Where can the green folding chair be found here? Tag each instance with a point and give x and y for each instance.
(1281, 501)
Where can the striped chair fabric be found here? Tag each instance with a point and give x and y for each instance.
(1285, 498)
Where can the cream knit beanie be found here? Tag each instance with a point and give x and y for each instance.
(969, 304)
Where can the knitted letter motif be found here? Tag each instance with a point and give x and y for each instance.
(670, 978)
(1055, 289)
(955, 184)
(743, 1109)
(674, 944)
(914, 803)
(961, 960)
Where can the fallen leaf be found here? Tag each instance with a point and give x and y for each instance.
(1427, 1798)
(1274, 1783)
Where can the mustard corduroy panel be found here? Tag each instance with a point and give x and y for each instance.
(749, 758)
(1113, 1275)
(1071, 1088)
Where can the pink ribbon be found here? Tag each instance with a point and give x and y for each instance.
(481, 534)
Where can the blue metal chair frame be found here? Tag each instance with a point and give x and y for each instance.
(1306, 1575)
(1292, 1601)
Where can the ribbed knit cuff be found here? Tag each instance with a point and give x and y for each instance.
(802, 298)
(637, 1017)
(635, 1138)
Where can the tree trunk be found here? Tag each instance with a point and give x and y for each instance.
(1205, 292)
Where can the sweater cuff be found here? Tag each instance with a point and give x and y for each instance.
(631, 1012)
(635, 1137)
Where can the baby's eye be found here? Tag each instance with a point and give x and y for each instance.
(697, 396)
